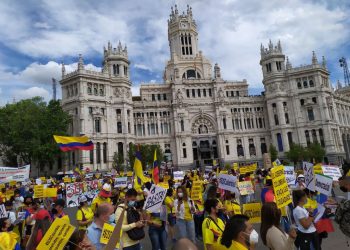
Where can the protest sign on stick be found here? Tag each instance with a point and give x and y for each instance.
(323, 184)
(121, 182)
(39, 191)
(290, 175)
(280, 187)
(227, 182)
(3, 212)
(253, 211)
(196, 191)
(309, 175)
(114, 239)
(178, 175)
(331, 171)
(245, 187)
(155, 198)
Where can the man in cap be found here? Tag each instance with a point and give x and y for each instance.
(102, 197)
(57, 210)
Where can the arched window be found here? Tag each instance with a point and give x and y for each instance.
(311, 83)
(184, 152)
(299, 85)
(305, 84)
(89, 90)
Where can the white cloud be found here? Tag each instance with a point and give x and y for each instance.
(135, 90)
(142, 66)
(32, 92)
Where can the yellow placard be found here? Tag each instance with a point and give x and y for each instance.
(252, 167)
(39, 191)
(129, 173)
(13, 183)
(253, 211)
(235, 166)
(164, 185)
(57, 236)
(280, 187)
(50, 192)
(223, 172)
(243, 170)
(237, 209)
(67, 179)
(2, 185)
(196, 191)
(166, 178)
(106, 234)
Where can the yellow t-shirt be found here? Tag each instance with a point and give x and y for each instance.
(169, 201)
(211, 233)
(188, 214)
(234, 246)
(233, 207)
(89, 215)
(310, 204)
(155, 218)
(97, 201)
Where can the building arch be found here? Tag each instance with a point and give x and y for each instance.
(203, 124)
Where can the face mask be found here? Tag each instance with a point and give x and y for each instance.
(131, 203)
(18, 199)
(180, 195)
(111, 218)
(253, 238)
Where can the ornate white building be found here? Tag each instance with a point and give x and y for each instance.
(195, 115)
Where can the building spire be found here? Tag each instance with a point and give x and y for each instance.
(288, 64)
(324, 62)
(80, 62)
(314, 58)
(63, 69)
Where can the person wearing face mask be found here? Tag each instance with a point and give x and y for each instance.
(271, 232)
(184, 209)
(239, 234)
(213, 226)
(102, 197)
(84, 214)
(307, 237)
(42, 224)
(130, 200)
(94, 231)
(10, 213)
(8, 239)
(57, 210)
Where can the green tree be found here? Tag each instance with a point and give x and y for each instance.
(273, 152)
(315, 152)
(118, 161)
(147, 154)
(296, 153)
(27, 128)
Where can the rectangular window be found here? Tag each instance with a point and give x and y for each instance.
(279, 142)
(210, 92)
(119, 127)
(90, 110)
(204, 92)
(227, 149)
(188, 93)
(199, 92)
(184, 152)
(159, 97)
(98, 126)
(276, 120)
(164, 97)
(286, 116)
(310, 114)
(91, 156)
(153, 97)
(193, 93)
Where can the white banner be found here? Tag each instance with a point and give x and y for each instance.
(3, 213)
(208, 169)
(309, 175)
(331, 171)
(155, 199)
(290, 175)
(74, 191)
(227, 182)
(323, 184)
(121, 182)
(8, 174)
(179, 175)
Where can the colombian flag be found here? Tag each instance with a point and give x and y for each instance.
(155, 174)
(138, 168)
(69, 143)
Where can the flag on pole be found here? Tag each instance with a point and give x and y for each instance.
(138, 167)
(155, 173)
(69, 143)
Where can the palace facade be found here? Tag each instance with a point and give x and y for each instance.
(195, 115)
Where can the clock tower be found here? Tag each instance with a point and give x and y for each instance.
(186, 60)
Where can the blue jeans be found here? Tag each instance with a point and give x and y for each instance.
(133, 247)
(186, 229)
(158, 237)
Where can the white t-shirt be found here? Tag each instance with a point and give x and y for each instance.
(300, 213)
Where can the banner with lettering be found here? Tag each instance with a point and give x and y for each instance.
(227, 182)
(280, 187)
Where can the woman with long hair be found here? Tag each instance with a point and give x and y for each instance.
(307, 237)
(184, 209)
(42, 224)
(270, 230)
(84, 214)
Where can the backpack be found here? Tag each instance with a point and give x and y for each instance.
(133, 216)
(342, 217)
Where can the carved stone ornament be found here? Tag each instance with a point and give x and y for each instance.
(179, 96)
(202, 126)
(117, 92)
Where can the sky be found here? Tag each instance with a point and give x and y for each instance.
(36, 36)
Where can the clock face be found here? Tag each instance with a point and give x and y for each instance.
(184, 25)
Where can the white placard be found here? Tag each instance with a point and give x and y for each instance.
(331, 171)
(8, 174)
(309, 175)
(38, 181)
(121, 182)
(155, 199)
(323, 184)
(179, 175)
(227, 182)
(208, 169)
(3, 212)
(290, 175)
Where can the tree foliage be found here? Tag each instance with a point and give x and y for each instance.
(147, 154)
(273, 152)
(296, 153)
(118, 161)
(27, 128)
(315, 152)
(312, 153)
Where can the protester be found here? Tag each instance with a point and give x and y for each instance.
(184, 208)
(57, 210)
(10, 213)
(130, 201)
(84, 214)
(270, 230)
(103, 211)
(42, 224)
(80, 241)
(267, 194)
(102, 197)
(239, 234)
(184, 244)
(213, 226)
(307, 237)
(342, 214)
(156, 231)
(169, 203)
(300, 182)
(231, 204)
(8, 239)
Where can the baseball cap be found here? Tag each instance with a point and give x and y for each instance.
(41, 214)
(106, 190)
